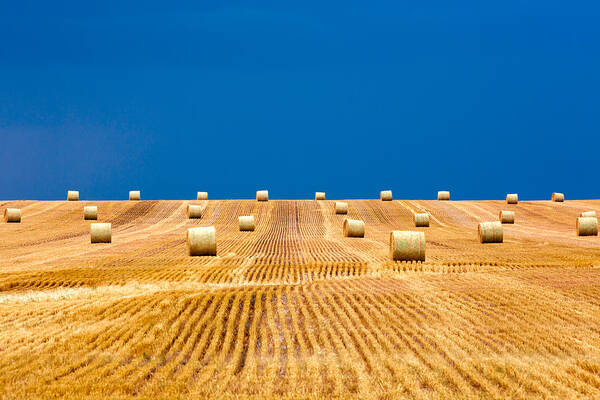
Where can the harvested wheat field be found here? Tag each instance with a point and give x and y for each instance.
(294, 309)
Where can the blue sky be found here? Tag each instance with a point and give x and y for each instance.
(349, 98)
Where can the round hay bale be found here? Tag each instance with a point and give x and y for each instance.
(507, 217)
(194, 211)
(246, 222)
(385, 195)
(588, 214)
(100, 233)
(559, 197)
(407, 246)
(319, 195)
(341, 207)
(134, 195)
(90, 213)
(512, 198)
(354, 228)
(490, 232)
(12, 215)
(72, 195)
(421, 219)
(443, 195)
(587, 226)
(202, 241)
(262, 195)
(202, 196)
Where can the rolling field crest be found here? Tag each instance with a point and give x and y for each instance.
(293, 309)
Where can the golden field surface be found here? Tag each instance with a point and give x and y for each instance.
(294, 309)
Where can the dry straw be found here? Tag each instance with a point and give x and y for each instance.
(90, 213)
(341, 207)
(559, 197)
(512, 198)
(443, 195)
(12, 215)
(385, 195)
(194, 211)
(407, 246)
(73, 195)
(100, 233)
(587, 226)
(490, 232)
(202, 241)
(134, 195)
(421, 219)
(262, 195)
(354, 228)
(246, 222)
(319, 195)
(507, 217)
(588, 214)
(202, 196)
